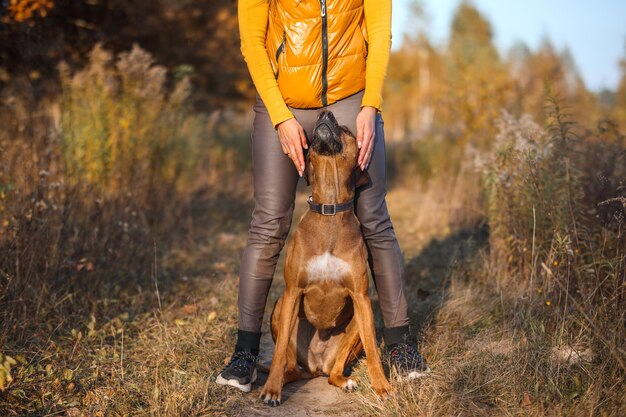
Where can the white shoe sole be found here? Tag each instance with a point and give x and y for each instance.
(412, 375)
(234, 383)
(417, 374)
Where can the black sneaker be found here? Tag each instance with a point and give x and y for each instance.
(406, 360)
(240, 371)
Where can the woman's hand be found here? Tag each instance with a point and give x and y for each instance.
(292, 140)
(365, 131)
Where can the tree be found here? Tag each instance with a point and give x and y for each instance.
(534, 73)
(479, 84)
(27, 10)
(413, 83)
(620, 96)
(197, 37)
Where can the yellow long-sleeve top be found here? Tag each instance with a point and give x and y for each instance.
(253, 20)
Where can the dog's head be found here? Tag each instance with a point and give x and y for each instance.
(333, 154)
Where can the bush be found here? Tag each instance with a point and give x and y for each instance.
(121, 131)
(93, 187)
(556, 205)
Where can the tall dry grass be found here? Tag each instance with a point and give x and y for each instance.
(122, 130)
(118, 263)
(534, 323)
(95, 186)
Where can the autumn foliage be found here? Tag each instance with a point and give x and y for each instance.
(22, 10)
(125, 196)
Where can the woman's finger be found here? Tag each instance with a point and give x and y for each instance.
(300, 155)
(368, 150)
(290, 150)
(359, 135)
(299, 158)
(303, 139)
(295, 146)
(293, 155)
(364, 147)
(281, 140)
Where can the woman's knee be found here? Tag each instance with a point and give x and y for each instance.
(269, 226)
(377, 226)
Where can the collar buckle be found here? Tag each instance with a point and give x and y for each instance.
(329, 209)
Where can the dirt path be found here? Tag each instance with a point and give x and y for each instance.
(162, 353)
(312, 397)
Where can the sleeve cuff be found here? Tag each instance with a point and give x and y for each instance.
(372, 101)
(279, 116)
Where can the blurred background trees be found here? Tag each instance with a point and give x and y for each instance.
(461, 86)
(198, 38)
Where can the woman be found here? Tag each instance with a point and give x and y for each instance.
(305, 56)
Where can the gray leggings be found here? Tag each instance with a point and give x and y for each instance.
(275, 179)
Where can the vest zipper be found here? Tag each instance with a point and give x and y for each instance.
(324, 53)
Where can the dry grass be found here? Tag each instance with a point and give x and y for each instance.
(117, 290)
(533, 324)
(91, 257)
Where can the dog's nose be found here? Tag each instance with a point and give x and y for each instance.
(323, 133)
(326, 134)
(327, 117)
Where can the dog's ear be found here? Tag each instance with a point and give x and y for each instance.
(361, 178)
(308, 171)
(347, 131)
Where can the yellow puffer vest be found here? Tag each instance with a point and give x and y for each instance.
(317, 49)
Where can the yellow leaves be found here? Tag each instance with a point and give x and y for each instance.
(116, 325)
(84, 264)
(192, 310)
(77, 334)
(125, 123)
(211, 316)
(189, 309)
(68, 375)
(22, 10)
(5, 370)
(91, 326)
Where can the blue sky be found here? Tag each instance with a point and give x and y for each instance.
(594, 30)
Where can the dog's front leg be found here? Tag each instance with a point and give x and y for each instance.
(365, 320)
(271, 392)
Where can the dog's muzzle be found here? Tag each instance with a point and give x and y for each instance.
(327, 135)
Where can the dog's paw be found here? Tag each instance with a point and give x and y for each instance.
(383, 388)
(350, 386)
(270, 396)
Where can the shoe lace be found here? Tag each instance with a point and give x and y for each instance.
(406, 353)
(242, 361)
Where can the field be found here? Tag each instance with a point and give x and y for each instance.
(124, 207)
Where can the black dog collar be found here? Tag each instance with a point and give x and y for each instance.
(329, 209)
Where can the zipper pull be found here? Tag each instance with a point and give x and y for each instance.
(323, 8)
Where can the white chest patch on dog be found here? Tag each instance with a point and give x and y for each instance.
(327, 267)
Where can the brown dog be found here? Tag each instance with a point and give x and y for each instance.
(324, 318)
